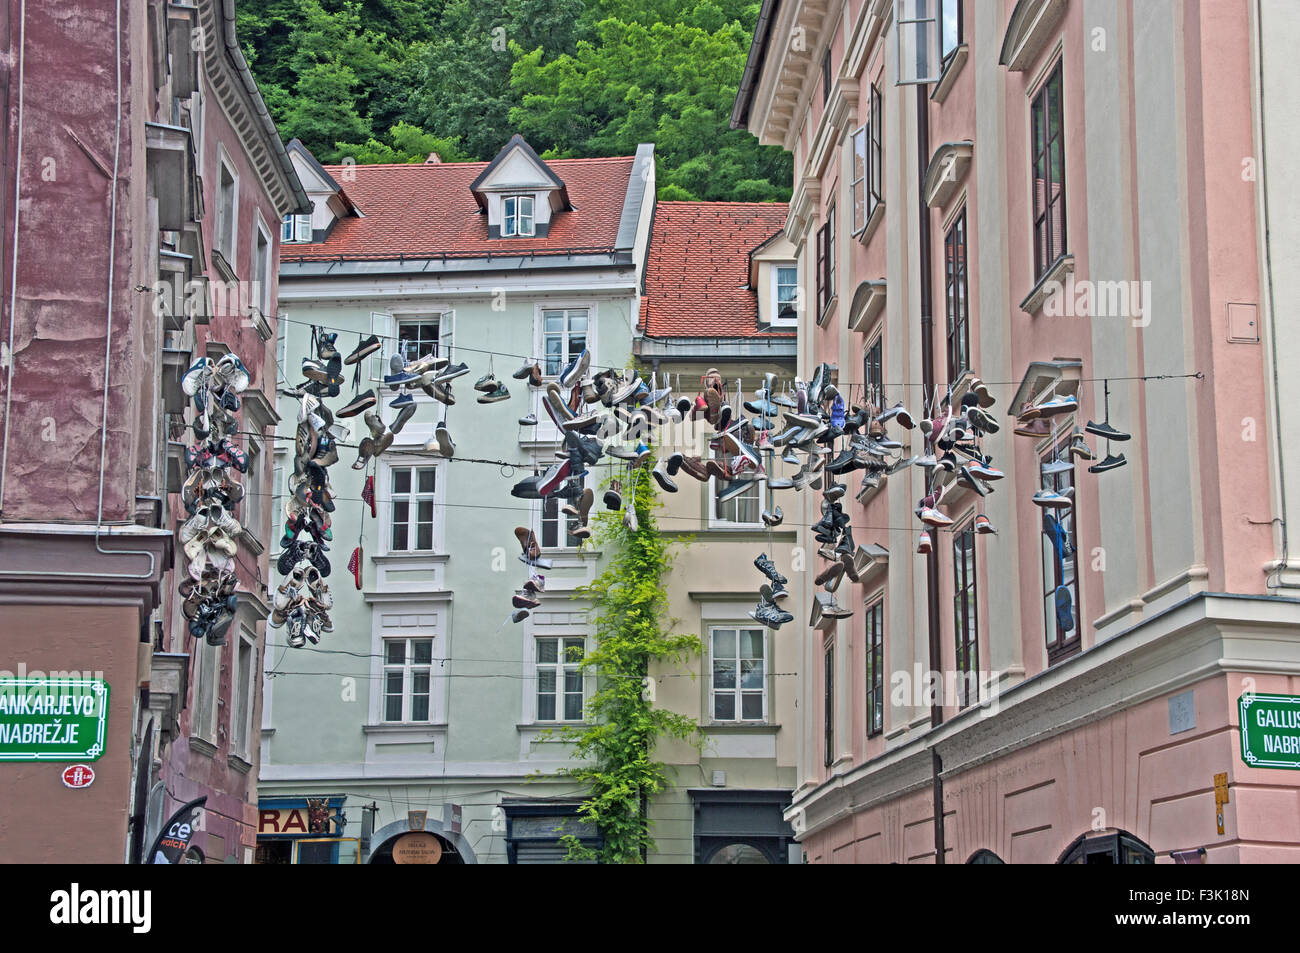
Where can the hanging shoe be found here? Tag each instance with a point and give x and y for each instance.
(923, 546)
(772, 518)
(768, 568)
(630, 520)
(365, 347)
(1079, 447)
(660, 473)
(528, 541)
(1110, 463)
(983, 526)
(359, 403)
(1051, 499)
(487, 383)
(613, 498)
(1105, 430)
(524, 372)
(528, 420)
(497, 394)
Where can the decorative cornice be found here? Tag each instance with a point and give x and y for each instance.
(868, 302)
(1028, 30)
(947, 169)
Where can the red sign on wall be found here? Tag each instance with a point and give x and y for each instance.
(78, 775)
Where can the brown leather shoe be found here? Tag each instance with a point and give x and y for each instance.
(695, 467)
(528, 542)
(1040, 427)
(535, 375)
(715, 468)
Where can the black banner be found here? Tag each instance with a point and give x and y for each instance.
(174, 839)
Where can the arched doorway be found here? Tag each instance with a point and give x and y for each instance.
(985, 856)
(454, 849)
(736, 852)
(1109, 846)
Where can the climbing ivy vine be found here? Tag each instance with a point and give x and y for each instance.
(616, 749)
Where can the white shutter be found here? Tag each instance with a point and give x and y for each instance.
(447, 334)
(381, 324)
(917, 42)
(302, 228)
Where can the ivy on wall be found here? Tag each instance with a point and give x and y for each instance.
(615, 749)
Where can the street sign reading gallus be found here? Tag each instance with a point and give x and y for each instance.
(1270, 730)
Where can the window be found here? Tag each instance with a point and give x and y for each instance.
(1060, 561)
(876, 668)
(828, 705)
(826, 77)
(785, 284)
(858, 178)
(227, 212)
(517, 216)
(262, 269)
(564, 336)
(281, 349)
(241, 729)
(412, 505)
(203, 718)
(745, 507)
(826, 261)
(875, 151)
(950, 17)
(956, 301)
(408, 666)
(551, 517)
(739, 675)
(1048, 144)
(296, 228)
(254, 506)
(417, 337)
(559, 679)
(964, 614)
(873, 373)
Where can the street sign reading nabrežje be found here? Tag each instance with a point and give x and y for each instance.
(1270, 730)
(52, 719)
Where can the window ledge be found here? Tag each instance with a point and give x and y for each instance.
(1050, 282)
(404, 728)
(873, 223)
(224, 268)
(411, 557)
(949, 75)
(202, 746)
(827, 311)
(544, 725)
(239, 764)
(740, 727)
(254, 544)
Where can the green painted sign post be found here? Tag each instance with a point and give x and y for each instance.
(1270, 730)
(52, 719)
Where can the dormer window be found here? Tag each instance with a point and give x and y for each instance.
(517, 216)
(296, 228)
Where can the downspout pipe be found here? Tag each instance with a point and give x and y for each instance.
(927, 376)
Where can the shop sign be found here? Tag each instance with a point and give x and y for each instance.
(311, 817)
(418, 847)
(53, 719)
(1270, 730)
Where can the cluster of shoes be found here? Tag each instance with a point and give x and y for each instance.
(770, 594)
(954, 432)
(303, 600)
(210, 494)
(525, 599)
(1039, 420)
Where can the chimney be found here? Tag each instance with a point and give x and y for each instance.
(434, 159)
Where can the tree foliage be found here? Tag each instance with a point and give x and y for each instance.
(593, 78)
(616, 750)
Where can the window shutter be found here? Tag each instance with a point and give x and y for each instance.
(447, 334)
(916, 42)
(381, 324)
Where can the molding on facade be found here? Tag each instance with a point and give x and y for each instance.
(1028, 30)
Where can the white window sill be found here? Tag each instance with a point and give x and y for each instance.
(755, 727)
(412, 555)
(1055, 276)
(403, 727)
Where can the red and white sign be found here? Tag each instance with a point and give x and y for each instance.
(78, 775)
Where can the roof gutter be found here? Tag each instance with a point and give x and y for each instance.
(757, 52)
(236, 57)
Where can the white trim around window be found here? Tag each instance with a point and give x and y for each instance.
(517, 218)
(548, 674)
(243, 693)
(262, 264)
(738, 659)
(226, 235)
(568, 310)
(776, 285)
(405, 480)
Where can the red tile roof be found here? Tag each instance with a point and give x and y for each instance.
(421, 210)
(697, 274)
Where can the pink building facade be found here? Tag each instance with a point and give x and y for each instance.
(1071, 207)
(143, 189)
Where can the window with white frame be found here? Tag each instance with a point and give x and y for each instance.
(517, 216)
(412, 508)
(227, 211)
(262, 269)
(559, 679)
(203, 718)
(241, 727)
(785, 294)
(408, 674)
(742, 509)
(739, 674)
(296, 228)
(564, 336)
(281, 348)
(255, 507)
(858, 178)
(417, 337)
(551, 522)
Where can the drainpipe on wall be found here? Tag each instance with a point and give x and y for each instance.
(927, 377)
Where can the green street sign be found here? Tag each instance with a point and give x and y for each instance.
(1270, 730)
(52, 719)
